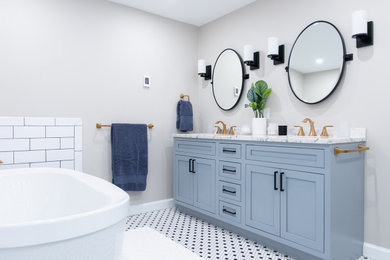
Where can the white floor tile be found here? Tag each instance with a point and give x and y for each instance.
(202, 238)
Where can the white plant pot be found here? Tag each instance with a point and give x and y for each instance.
(259, 126)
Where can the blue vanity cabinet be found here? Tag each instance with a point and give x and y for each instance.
(286, 203)
(184, 179)
(204, 184)
(262, 199)
(302, 208)
(301, 199)
(194, 176)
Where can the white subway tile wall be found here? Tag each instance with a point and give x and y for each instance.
(41, 142)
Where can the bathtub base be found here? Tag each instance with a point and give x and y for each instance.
(105, 244)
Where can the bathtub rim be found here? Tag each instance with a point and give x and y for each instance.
(30, 233)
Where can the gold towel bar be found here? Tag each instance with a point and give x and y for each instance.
(99, 125)
(183, 96)
(360, 148)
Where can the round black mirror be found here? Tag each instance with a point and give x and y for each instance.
(316, 62)
(228, 79)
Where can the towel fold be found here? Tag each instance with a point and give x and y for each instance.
(184, 121)
(129, 145)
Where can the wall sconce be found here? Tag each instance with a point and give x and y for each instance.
(203, 70)
(251, 58)
(362, 30)
(275, 51)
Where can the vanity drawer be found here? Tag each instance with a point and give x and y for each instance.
(229, 150)
(229, 190)
(229, 170)
(230, 211)
(309, 157)
(194, 147)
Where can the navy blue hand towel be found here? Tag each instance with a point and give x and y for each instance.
(178, 115)
(185, 116)
(129, 144)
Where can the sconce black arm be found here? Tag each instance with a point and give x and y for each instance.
(278, 59)
(207, 75)
(364, 40)
(255, 64)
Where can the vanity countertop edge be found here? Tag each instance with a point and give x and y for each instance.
(280, 139)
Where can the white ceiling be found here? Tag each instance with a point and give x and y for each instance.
(196, 12)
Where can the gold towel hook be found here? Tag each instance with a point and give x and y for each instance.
(183, 96)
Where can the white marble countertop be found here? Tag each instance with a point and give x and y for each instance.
(270, 138)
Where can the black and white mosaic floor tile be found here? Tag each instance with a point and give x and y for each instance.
(202, 238)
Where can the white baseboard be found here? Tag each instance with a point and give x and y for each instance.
(151, 206)
(376, 252)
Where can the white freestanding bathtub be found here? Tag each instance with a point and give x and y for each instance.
(57, 214)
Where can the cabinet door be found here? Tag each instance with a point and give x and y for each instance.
(262, 199)
(302, 208)
(184, 180)
(205, 184)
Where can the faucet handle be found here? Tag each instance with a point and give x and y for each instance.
(219, 130)
(231, 132)
(324, 131)
(301, 132)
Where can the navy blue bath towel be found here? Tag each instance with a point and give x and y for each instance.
(184, 121)
(129, 144)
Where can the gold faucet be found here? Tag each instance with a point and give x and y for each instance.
(324, 132)
(231, 132)
(224, 131)
(312, 129)
(301, 132)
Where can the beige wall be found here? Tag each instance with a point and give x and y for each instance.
(361, 99)
(87, 58)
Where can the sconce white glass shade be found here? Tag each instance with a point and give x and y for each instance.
(359, 22)
(201, 66)
(248, 52)
(273, 46)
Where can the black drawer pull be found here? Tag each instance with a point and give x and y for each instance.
(229, 212)
(281, 181)
(228, 170)
(189, 165)
(193, 165)
(275, 172)
(229, 191)
(225, 150)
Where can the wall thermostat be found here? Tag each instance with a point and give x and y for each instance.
(147, 81)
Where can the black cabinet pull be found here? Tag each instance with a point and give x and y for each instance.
(189, 165)
(193, 165)
(229, 191)
(281, 181)
(229, 212)
(275, 172)
(228, 150)
(228, 170)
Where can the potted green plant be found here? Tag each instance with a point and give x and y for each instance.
(258, 95)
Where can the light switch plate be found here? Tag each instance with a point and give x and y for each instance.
(236, 91)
